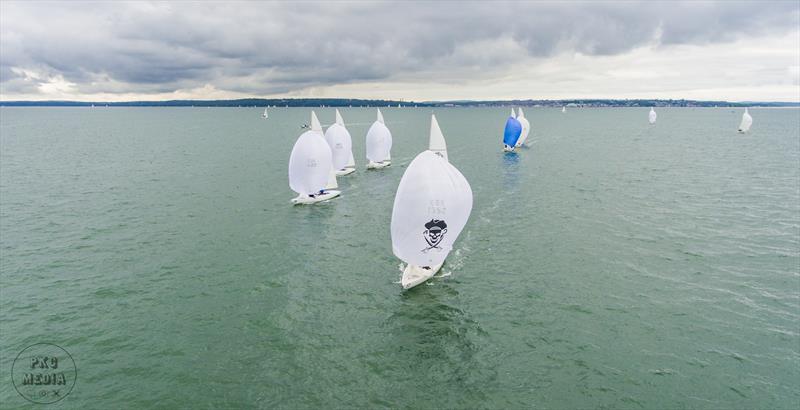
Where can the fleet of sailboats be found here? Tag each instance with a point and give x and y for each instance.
(433, 201)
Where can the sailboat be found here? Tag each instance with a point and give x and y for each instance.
(431, 208)
(265, 114)
(379, 144)
(747, 121)
(563, 109)
(526, 127)
(341, 144)
(311, 172)
(512, 132)
(652, 116)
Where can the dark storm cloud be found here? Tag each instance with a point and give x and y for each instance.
(267, 48)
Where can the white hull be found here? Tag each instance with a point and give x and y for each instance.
(378, 165)
(506, 148)
(345, 171)
(305, 199)
(415, 275)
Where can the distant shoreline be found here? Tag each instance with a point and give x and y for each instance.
(340, 102)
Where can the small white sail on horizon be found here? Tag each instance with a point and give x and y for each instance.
(563, 109)
(379, 144)
(747, 121)
(311, 166)
(265, 114)
(652, 116)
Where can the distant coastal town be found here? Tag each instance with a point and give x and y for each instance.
(344, 102)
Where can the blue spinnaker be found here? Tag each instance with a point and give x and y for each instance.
(512, 132)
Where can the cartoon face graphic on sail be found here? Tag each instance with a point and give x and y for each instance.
(434, 232)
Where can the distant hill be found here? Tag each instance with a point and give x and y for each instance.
(342, 102)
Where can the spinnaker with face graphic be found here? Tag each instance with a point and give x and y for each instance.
(526, 128)
(431, 208)
(341, 144)
(311, 172)
(747, 121)
(652, 116)
(379, 144)
(511, 133)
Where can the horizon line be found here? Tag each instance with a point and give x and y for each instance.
(394, 101)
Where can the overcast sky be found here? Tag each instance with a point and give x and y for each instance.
(114, 51)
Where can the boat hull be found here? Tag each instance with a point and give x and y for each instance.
(506, 148)
(307, 200)
(346, 171)
(415, 275)
(378, 165)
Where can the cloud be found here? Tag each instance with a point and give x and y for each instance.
(270, 48)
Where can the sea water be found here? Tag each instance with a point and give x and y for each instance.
(612, 264)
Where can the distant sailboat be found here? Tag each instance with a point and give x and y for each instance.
(563, 109)
(747, 121)
(265, 114)
(379, 144)
(526, 128)
(311, 172)
(511, 133)
(431, 208)
(341, 144)
(652, 116)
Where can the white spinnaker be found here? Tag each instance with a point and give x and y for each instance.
(652, 116)
(436, 141)
(747, 121)
(310, 163)
(379, 141)
(341, 144)
(432, 192)
(526, 127)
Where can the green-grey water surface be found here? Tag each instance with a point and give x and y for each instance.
(613, 264)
